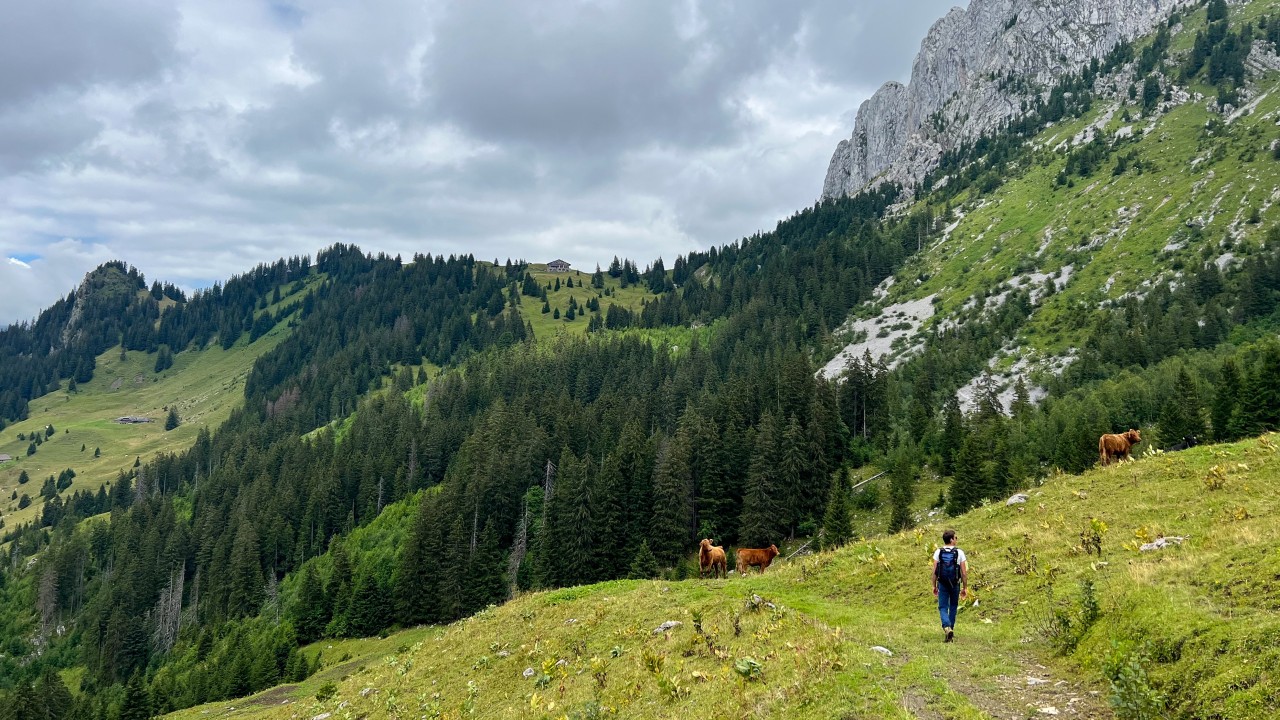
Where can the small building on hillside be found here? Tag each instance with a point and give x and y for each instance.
(558, 266)
(5, 458)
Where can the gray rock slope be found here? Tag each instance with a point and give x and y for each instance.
(959, 87)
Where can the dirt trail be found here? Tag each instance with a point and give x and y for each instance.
(1034, 692)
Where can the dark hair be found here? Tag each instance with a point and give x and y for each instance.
(948, 536)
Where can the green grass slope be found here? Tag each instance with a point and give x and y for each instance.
(204, 386)
(1193, 626)
(1111, 233)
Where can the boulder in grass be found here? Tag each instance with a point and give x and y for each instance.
(666, 626)
(1017, 499)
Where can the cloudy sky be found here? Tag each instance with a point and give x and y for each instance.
(197, 138)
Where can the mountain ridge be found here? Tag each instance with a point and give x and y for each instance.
(976, 69)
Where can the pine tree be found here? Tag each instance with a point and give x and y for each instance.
(795, 478)
(902, 486)
(137, 702)
(487, 574)
(369, 612)
(311, 613)
(671, 531)
(644, 565)
(1182, 414)
(171, 421)
(969, 483)
(1260, 401)
(764, 520)
(53, 696)
(338, 591)
(837, 527)
(953, 433)
(246, 583)
(1225, 400)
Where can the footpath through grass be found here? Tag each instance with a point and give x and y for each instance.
(1196, 622)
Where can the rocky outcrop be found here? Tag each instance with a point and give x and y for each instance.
(976, 68)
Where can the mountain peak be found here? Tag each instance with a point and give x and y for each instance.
(977, 69)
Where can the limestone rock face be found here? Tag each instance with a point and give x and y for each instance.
(975, 69)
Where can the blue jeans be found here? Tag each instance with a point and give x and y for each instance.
(948, 598)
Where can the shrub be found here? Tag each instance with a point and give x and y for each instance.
(1132, 696)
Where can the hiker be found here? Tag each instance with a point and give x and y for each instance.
(950, 581)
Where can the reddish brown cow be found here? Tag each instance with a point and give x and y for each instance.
(711, 557)
(1112, 447)
(751, 557)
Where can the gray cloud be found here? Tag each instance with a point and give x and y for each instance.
(226, 134)
(57, 44)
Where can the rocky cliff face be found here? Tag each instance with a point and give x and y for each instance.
(960, 87)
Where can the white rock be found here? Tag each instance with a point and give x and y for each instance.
(1161, 543)
(1048, 710)
(1016, 499)
(957, 78)
(668, 625)
(882, 650)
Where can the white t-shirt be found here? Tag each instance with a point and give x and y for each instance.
(959, 560)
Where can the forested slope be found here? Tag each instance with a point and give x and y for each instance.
(355, 492)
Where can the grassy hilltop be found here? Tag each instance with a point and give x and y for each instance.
(1194, 624)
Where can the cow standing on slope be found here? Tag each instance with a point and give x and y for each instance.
(1112, 447)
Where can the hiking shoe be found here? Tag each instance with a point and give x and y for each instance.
(950, 634)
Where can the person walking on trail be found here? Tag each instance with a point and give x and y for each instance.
(950, 581)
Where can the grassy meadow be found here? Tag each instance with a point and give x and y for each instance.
(204, 386)
(1198, 619)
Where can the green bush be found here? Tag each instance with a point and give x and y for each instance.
(1132, 696)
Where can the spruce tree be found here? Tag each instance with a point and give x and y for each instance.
(902, 486)
(338, 591)
(644, 565)
(795, 478)
(764, 521)
(953, 433)
(418, 572)
(1225, 400)
(54, 697)
(1260, 402)
(671, 532)
(246, 584)
(369, 612)
(969, 484)
(22, 703)
(487, 575)
(137, 702)
(311, 613)
(837, 526)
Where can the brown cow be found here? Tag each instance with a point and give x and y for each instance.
(711, 557)
(1112, 447)
(750, 557)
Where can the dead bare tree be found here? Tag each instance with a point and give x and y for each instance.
(168, 611)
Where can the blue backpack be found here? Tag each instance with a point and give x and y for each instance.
(948, 569)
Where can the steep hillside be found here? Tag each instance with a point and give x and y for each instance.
(1052, 629)
(1128, 203)
(202, 385)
